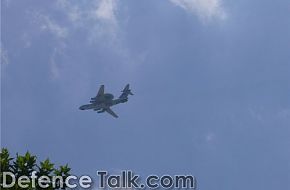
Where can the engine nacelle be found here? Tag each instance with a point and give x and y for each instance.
(101, 111)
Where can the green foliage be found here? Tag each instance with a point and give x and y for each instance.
(5, 160)
(24, 166)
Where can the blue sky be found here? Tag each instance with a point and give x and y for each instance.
(210, 77)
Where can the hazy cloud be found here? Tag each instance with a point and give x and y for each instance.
(284, 114)
(53, 27)
(97, 17)
(4, 55)
(210, 137)
(106, 11)
(206, 10)
(46, 23)
(54, 66)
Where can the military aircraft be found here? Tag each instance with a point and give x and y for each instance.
(103, 101)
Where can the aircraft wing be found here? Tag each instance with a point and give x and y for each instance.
(111, 112)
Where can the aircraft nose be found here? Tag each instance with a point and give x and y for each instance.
(81, 108)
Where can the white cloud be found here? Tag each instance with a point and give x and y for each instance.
(99, 20)
(53, 64)
(53, 27)
(206, 10)
(284, 114)
(266, 115)
(26, 40)
(257, 113)
(106, 11)
(49, 25)
(97, 17)
(54, 61)
(46, 23)
(73, 12)
(4, 55)
(96, 20)
(210, 137)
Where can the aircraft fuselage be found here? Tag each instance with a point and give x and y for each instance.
(103, 101)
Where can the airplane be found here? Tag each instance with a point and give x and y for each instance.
(103, 101)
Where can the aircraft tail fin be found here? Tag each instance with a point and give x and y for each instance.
(125, 92)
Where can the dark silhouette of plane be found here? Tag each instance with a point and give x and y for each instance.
(102, 102)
